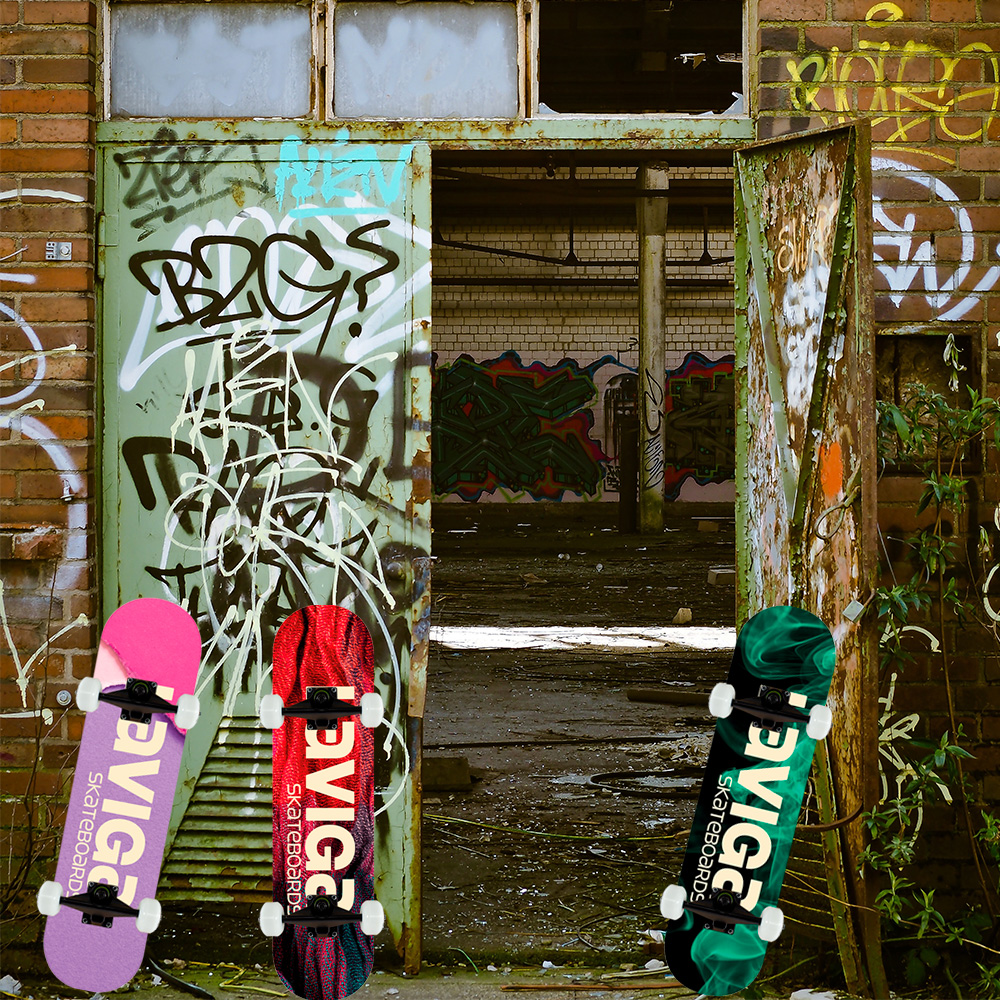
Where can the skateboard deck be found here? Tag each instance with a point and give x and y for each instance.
(724, 911)
(122, 795)
(324, 805)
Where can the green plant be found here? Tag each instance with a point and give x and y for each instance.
(943, 441)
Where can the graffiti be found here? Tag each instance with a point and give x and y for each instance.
(700, 414)
(166, 172)
(652, 411)
(219, 277)
(501, 423)
(825, 82)
(907, 260)
(188, 278)
(353, 179)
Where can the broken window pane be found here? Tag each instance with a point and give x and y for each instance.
(640, 57)
(425, 60)
(230, 60)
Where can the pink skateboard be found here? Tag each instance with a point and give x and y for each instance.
(139, 704)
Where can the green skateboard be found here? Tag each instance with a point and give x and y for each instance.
(770, 714)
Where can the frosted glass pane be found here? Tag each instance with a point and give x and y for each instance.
(229, 60)
(425, 60)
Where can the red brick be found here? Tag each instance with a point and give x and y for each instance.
(80, 186)
(823, 38)
(984, 218)
(56, 130)
(57, 278)
(980, 158)
(55, 70)
(48, 218)
(8, 12)
(953, 10)
(900, 34)
(8, 130)
(51, 309)
(899, 187)
(53, 513)
(37, 160)
(783, 38)
(855, 10)
(69, 428)
(791, 10)
(66, 101)
(60, 12)
(991, 11)
(48, 43)
(7, 71)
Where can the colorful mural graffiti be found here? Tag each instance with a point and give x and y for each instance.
(700, 405)
(503, 424)
(509, 428)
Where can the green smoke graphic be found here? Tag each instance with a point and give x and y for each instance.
(793, 649)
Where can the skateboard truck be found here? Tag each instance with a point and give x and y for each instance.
(722, 912)
(138, 701)
(99, 905)
(321, 709)
(771, 709)
(321, 918)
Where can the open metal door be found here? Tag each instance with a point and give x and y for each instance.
(806, 461)
(266, 396)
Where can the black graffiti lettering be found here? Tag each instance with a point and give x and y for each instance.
(167, 171)
(192, 284)
(390, 257)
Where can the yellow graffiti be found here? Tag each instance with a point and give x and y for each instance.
(879, 70)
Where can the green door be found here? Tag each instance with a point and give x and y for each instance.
(806, 460)
(265, 360)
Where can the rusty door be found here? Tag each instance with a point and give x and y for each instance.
(266, 395)
(805, 458)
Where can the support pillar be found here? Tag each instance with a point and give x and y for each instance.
(652, 226)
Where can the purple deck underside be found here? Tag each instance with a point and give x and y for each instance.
(105, 786)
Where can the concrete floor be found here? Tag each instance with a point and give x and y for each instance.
(537, 724)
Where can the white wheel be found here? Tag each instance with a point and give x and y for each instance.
(87, 692)
(48, 898)
(672, 902)
(272, 919)
(372, 917)
(371, 710)
(272, 710)
(149, 916)
(188, 710)
(772, 920)
(720, 701)
(820, 720)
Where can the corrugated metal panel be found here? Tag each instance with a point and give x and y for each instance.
(223, 846)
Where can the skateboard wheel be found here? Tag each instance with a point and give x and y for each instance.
(49, 896)
(149, 916)
(272, 710)
(720, 701)
(672, 902)
(372, 711)
(772, 920)
(820, 720)
(188, 710)
(272, 919)
(87, 694)
(372, 917)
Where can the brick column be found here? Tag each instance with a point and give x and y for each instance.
(47, 125)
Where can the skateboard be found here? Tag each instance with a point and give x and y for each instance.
(139, 705)
(770, 713)
(323, 914)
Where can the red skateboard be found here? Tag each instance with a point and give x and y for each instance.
(324, 912)
(139, 704)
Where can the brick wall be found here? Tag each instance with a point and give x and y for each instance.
(926, 74)
(47, 114)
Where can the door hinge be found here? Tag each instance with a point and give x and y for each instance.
(107, 236)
